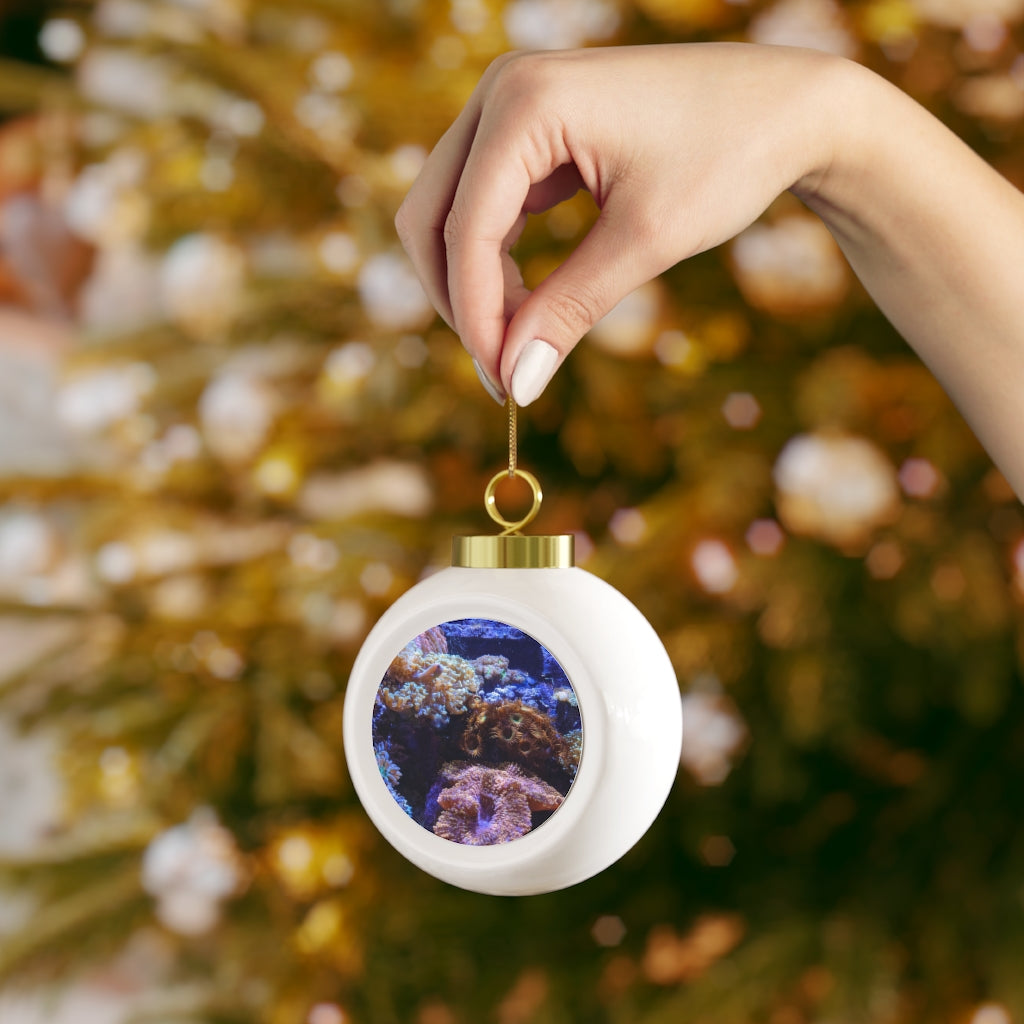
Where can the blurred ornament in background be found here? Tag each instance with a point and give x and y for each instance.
(106, 204)
(31, 787)
(236, 413)
(714, 566)
(122, 294)
(123, 19)
(991, 1013)
(142, 85)
(29, 545)
(190, 870)
(392, 295)
(330, 117)
(715, 735)
(836, 488)
(815, 24)
(326, 1013)
(339, 252)
(62, 40)
(628, 526)
(94, 399)
(672, 959)
(385, 486)
(346, 370)
(202, 282)
(331, 71)
(791, 267)
(960, 13)
(630, 328)
(996, 97)
(559, 24)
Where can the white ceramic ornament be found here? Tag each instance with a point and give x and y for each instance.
(512, 724)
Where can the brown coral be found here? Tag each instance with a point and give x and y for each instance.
(428, 684)
(493, 670)
(484, 806)
(572, 751)
(511, 729)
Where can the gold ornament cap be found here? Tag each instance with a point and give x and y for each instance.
(510, 549)
(513, 551)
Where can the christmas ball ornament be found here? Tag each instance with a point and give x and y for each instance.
(512, 723)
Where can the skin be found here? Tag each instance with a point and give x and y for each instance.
(682, 147)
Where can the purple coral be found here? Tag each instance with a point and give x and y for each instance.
(484, 806)
(431, 641)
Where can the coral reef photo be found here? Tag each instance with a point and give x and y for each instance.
(477, 731)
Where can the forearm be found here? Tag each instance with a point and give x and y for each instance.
(937, 238)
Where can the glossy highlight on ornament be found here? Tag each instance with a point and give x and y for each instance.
(477, 731)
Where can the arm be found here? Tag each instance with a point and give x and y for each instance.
(937, 238)
(684, 146)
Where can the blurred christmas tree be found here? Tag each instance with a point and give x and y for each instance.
(265, 437)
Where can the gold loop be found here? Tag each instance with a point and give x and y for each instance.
(491, 504)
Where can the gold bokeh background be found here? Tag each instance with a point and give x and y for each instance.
(234, 432)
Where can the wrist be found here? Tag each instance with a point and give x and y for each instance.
(844, 106)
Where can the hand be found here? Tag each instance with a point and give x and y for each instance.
(684, 146)
(681, 147)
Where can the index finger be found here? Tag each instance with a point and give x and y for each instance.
(421, 217)
(504, 163)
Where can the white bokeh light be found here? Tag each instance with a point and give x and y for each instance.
(714, 566)
(835, 487)
(392, 294)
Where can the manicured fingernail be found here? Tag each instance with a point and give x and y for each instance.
(534, 369)
(489, 386)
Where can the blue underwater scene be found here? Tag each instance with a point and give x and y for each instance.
(477, 731)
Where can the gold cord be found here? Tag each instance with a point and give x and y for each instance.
(512, 527)
(513, 439)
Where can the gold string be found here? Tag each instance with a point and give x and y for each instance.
(513, 439)
(512, 527)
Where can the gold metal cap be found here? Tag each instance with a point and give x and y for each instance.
(513, 551)
(510, 549)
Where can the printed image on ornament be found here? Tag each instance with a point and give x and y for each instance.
(477, 731)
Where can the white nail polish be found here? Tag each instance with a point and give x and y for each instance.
(489, 386)
(534, 369)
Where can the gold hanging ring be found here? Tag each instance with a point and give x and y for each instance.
(491, 504)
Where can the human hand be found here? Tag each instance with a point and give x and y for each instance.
(681, 146)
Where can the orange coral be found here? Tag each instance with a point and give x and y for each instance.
(511, 729)
(428, 684)
(484, 806)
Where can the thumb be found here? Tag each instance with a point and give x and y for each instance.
(608, 264)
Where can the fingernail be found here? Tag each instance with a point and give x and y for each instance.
(534, 369)
(489, 386)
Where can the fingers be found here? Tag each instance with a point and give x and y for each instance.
(486, 214)
(508, 155)
(421, 217)
(608, 264)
